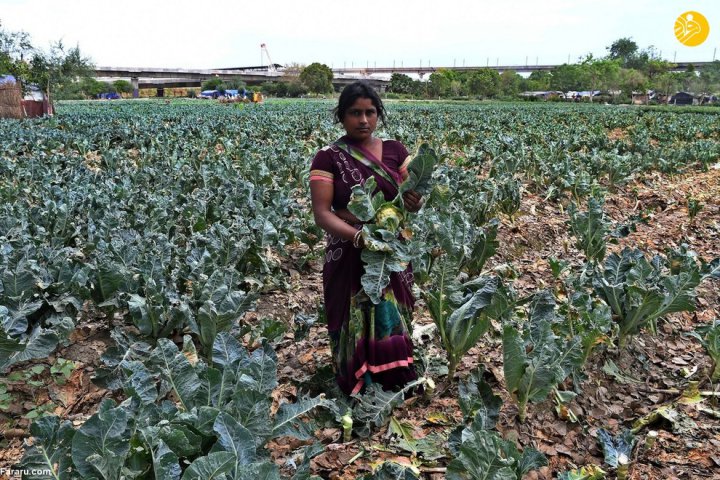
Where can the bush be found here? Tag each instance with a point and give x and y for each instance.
(214, 84)
(191, 93)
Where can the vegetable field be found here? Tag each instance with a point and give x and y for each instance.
(161, 315)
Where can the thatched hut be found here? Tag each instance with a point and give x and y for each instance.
(10, 99)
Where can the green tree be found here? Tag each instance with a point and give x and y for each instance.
(566, 77)
(510, 83)
(537, 81)
(632, 80)
(623, 49)
(600, 74)
(666, 83)
(90, 87)
(655, 67)
(401, 83)
(14, 48)
(439, 84)
(216, 83)
(235, 84)
(709, 79)
(57, 71)
(317, 77)
(484, 82)
(122, 86)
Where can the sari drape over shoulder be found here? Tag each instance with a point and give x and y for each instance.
(370, 343)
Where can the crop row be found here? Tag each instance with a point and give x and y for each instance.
(173, 219)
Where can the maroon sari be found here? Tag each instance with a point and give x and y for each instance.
(370, 343)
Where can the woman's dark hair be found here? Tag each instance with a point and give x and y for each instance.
(359, 89)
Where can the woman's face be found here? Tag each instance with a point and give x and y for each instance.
(360, 120)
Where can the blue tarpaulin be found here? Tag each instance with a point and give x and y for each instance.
(7, 79)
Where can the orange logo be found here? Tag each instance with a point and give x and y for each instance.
(692, 28)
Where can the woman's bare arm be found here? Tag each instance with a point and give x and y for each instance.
(346, 216)
(321, 194)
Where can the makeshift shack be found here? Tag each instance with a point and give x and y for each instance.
(14, 105)
(10, 98)
(682, 98)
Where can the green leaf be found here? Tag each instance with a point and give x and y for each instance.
(39, 344)
(18, 285)
(483, 455)
(102, 443)
(211, 467)
(590, 229)
(530, 460)
(236, 439)
(376, 405)
(290, 419)
(51, 448)
(259, 372)
(109, 279)
(679, 294)
(709, 337)
(166, 465)
(420, 171)
(183, 441)
(465, 325)
(252, 409)
(175, 369)
(477, 400)
(361, 200)
(542, 360)
(140, 383)
(590, 472)
(378, 266)
(484, 246)
(514, 359)
(310, 452)
(260, 471)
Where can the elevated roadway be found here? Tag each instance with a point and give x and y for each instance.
(178, 77)
(142, 77)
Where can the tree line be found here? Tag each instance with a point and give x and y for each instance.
(625, 69)
(62, 71)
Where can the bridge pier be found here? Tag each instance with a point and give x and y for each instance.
(135, 86)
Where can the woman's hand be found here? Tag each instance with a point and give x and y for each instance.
(412, 201)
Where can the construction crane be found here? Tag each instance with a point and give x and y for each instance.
(265, 53)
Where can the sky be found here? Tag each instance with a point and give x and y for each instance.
(341, 33)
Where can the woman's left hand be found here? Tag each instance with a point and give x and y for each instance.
(412, 201)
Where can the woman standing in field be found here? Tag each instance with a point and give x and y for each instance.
(370, 343)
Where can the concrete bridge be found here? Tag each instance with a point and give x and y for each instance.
(162, 78)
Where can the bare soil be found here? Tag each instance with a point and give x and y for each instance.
(654, 370)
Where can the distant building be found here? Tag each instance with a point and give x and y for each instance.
(708, 100)
(682, 98)
(642, 98)
(545, 95)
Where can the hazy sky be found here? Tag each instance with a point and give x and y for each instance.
(221, 33)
